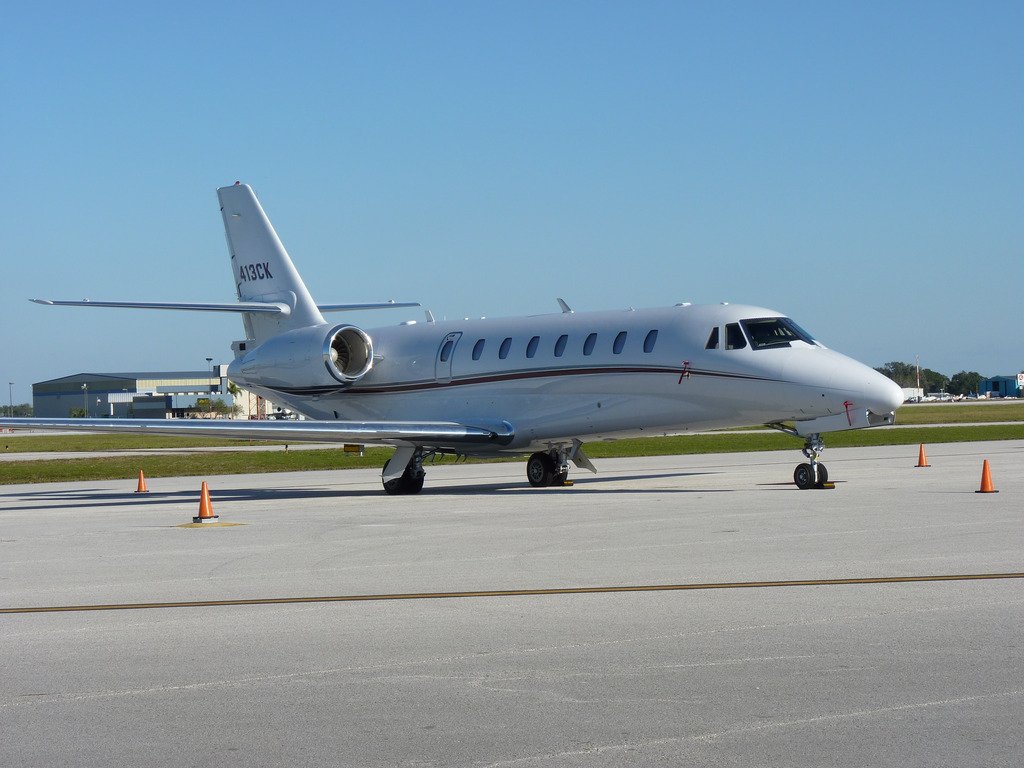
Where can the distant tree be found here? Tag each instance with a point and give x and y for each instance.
(223, 409)
(965, 382)
(20, 409)
(904, 374)
(77, 413)
(933, 381)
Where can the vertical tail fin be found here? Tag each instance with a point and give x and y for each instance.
(262, 268)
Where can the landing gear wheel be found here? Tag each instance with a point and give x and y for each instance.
(560, 477)
(540, 470)
(803, 476)
(409, 483)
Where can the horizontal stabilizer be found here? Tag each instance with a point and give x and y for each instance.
(270, 308)
(259, 307)
(434, 434)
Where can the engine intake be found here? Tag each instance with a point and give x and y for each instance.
(348, 353)
(318, 357)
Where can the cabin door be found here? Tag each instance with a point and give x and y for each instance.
(445, 355)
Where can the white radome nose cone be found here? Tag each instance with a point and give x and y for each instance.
(882, 394)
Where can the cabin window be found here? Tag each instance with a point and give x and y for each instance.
(734, 338)
(712, 339)
(651, 338)
(503, 350)
(531, 348)
(588, 345)
(560, 345)
(478, 349)
(446, 350)
(619, 343)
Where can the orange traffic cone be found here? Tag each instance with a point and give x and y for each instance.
(205, 507)
(986, 480)
(142, 484)
(922, 460)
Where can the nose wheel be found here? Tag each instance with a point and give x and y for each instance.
(806, 477)
(812, 474)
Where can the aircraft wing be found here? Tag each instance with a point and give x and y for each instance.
(433, 434)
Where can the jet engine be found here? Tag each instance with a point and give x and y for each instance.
(317, 357)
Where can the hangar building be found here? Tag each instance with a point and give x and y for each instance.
(142, 395)
(1002, 386)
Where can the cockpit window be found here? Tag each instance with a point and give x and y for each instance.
(712, 339)
(771, 332)
(734, 337)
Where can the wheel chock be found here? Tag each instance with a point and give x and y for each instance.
(986, 480)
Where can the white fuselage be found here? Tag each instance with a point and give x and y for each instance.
(541, 375)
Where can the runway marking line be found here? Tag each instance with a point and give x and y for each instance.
(516, 592)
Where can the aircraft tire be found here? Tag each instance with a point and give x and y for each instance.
(409, 483)
(540, 470)
(803, 476)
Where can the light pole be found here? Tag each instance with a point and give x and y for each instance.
(209, 399)
(10, 397)
(85, 400)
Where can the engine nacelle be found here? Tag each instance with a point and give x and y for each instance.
(318, 357)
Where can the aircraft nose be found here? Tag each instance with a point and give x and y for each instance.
(880, 394)
(864, 386)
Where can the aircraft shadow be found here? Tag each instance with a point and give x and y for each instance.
(92, 498)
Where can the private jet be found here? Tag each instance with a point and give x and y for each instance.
(541, 386)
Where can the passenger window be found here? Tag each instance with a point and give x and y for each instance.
(734, 338)
(478, 349)
(506, 345)
(712, 339)
(652, 337)
(531, 348)
(560, 345)
(446, 350)
(619, 343)
(588, 345)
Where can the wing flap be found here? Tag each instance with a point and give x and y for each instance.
(434, 434)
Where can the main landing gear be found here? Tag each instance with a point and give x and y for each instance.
(547, 469)
(812, 474)
(410, 481)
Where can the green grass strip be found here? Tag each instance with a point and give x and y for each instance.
(297, 460)
(112, 442)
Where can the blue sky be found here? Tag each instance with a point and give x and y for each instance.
(858, 166)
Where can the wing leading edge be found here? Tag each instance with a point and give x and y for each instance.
(432, 434)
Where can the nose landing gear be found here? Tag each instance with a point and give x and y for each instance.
(813, 474)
